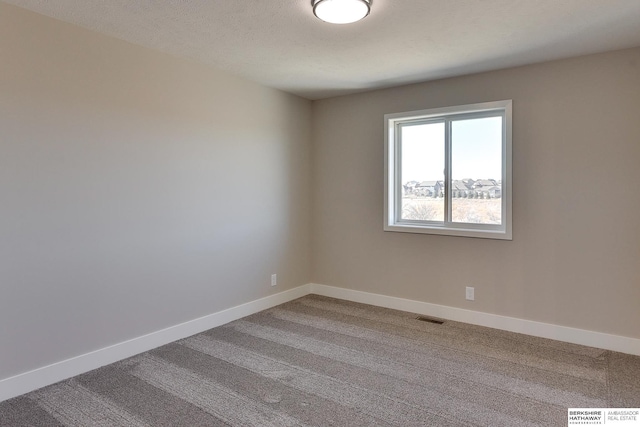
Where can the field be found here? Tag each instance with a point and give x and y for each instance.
(475, 211)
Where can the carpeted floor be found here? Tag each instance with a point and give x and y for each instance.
(319, 361)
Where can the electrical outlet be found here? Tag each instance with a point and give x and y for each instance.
(274, 279)
(470, 293)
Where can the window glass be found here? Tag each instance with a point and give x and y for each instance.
(476, 170)
(422, 172)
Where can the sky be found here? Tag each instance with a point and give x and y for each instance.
(476, 150)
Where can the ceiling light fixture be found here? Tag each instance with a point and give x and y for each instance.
(341, 11)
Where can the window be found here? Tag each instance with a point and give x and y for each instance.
(448, 171)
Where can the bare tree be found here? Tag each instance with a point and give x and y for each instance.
(420, 212)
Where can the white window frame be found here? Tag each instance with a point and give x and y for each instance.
(393, 192)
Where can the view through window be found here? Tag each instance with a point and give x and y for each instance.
(447, 170)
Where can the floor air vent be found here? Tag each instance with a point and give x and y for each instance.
(430, 320)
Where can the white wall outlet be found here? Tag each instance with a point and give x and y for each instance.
(274, 279)
(471, 293)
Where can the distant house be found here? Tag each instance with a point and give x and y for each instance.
(429, 189)
(409, 187)
(468, 182)
(486, 189)
(482, 183)
(459, 189)
(493, 192)
(482, 188)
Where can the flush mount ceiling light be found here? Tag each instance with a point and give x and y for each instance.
(341, 11)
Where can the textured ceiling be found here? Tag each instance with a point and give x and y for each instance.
(279, 43)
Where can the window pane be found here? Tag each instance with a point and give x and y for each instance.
(422, 171)
(476, 170)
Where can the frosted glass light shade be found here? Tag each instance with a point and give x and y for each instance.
(341, 11)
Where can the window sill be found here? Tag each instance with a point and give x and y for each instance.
(451, 231)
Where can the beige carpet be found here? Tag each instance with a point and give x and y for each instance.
(319, 361)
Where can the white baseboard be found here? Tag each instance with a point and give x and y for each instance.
(512, 324)
(32, 380)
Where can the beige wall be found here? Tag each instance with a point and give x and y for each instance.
(137, 191)
(575, 255)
